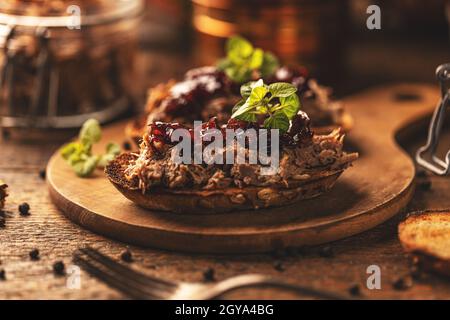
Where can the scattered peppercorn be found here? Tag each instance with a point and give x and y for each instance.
(403, 283)
(279, 266)
(326, 252)
(355, 290)
(24, 209)
(209, 275)
(2, 274)
(126, 146)
(59, 268)
(42, 174)
(126, 256)
(34, 254)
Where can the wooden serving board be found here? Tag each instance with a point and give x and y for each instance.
(377, 187)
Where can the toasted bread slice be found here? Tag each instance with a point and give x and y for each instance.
(3, 194)
(219, 200)
(426, 235)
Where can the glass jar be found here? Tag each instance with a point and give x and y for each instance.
(306, 32)
(63, 62)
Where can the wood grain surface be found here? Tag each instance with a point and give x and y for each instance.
(57, 237)
(378, 186)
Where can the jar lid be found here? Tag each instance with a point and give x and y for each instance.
(66, 13)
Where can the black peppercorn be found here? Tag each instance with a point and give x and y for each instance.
(209, 275)
(326, 252)
(2, 222)
(126, 146)
(403, 283)
(2, 274)
(127, 256)
(279, 266)
(42, 174)
(24, 209)
(34, 254)
(355, 290)
(59, 268)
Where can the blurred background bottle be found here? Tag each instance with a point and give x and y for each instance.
(310, 33)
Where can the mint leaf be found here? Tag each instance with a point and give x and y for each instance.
(223, 64)
(244, 108)
(246, 89)
(105, 159)
(90, 132)
(242, 60)
(78, 154)
(257, 95)
(71, 148)
(290, 105)
(113, 148)
(238, 105)
(249, 117)
(282, 89)
(257, 101)
(277, 121)
(270, 64)
(256, 59)
(86, 167)
(238, 49)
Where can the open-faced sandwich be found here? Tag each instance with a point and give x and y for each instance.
(214, 90)
(306, 164)
(426, 236)
(3, 194)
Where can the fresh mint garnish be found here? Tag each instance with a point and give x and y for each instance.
(243, 60)
(78, 154)
(277, 102)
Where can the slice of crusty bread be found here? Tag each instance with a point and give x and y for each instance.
(3, 193)
(427, 236)
(219, 200)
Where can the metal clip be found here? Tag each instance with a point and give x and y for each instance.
(435, 164)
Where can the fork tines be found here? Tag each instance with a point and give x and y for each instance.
(132, 283)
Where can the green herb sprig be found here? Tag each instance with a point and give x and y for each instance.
(243, 60)
(78, 154)
(277, 103)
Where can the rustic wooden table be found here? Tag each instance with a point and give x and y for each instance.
(57, 238)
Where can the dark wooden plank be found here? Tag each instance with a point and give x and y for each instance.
(57, 238)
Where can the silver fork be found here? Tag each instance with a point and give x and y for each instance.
(137, 285)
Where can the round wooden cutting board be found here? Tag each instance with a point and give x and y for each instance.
(378, 186)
